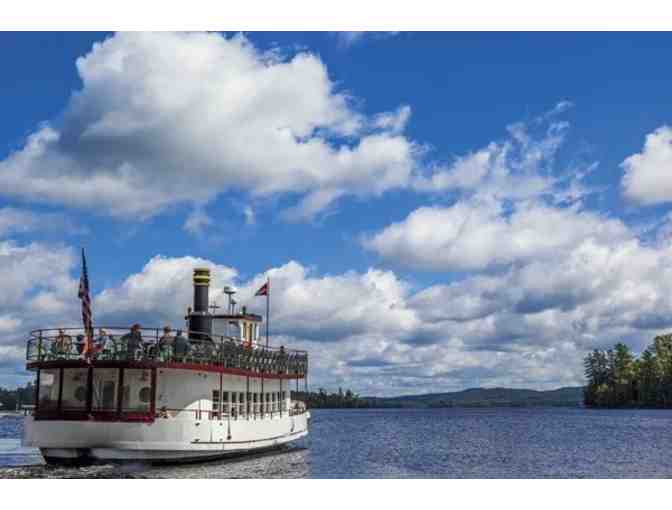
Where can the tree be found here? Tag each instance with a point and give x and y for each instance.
(616, 378)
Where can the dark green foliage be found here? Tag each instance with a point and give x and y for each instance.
(617, 379)
(474, 397)
(10, 398)
(324, 400)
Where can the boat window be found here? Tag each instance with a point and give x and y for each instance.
(105, 381)
(137, 391)
(241, 401)
(225, 401)
(215, 403)
(48, 391)
(74, 389)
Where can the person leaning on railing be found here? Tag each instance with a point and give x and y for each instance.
(62, 345)
(180, 346)
(166, 345)
(79, 344)
(105, 344)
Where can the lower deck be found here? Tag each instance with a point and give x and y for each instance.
(130, 392)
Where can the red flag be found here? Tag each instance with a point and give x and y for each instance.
(263, 291)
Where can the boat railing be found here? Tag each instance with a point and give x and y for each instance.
(160, 346)
(233, 414)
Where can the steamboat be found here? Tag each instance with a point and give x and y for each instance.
(162, 395)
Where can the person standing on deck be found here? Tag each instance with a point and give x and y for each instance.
(166, 345)
(133, 342)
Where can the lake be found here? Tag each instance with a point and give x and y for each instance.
(423, 443)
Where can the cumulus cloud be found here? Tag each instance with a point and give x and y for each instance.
(527, 326)
(648, 174)
(164, 118)
(473, 235)
(36, 291)
(160, 293)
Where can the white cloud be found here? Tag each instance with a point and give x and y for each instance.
(14, 220)
(478, 235)
(36, 291)
(394, 122)
(160, 293)
(519, 167)
(164, 118)
(527, 326)
(648, 174)
(248, 212)
(348, 39)
(197, 221)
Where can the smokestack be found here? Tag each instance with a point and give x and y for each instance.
(199, 319)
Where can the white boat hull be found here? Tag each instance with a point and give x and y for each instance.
(165, 440)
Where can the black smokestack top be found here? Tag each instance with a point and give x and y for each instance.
(200, 319)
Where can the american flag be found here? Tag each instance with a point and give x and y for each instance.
(87, 318)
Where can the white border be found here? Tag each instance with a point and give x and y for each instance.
(336, 494)
(236, 15)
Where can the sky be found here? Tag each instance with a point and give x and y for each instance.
(435, 211)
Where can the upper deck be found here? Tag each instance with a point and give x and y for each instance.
(65, 347)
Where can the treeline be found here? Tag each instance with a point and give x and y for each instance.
(11, 398)
(323, 400)
(617, 378)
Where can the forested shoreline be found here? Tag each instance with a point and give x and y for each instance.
(618, 378)
(340, 400)
(23, 395)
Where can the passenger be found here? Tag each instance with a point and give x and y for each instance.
(180, 346)
(166, 345)
(133, 341)
(80, 344)
(63, 343)
(105, 344)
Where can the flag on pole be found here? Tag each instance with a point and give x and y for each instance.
(87, 318)
(263, 291)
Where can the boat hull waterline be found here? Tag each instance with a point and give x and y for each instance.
(161, 441)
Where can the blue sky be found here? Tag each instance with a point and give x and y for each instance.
(410, 192)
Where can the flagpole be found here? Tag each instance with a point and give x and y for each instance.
(268, 299)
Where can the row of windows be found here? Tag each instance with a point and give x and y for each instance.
(69, 387)
(241, 404)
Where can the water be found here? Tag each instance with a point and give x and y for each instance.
(451, 443)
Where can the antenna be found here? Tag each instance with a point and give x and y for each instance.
(230, 291)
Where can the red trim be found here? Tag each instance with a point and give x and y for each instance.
(151, 365)
(94, 416)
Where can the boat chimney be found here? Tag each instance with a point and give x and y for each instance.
(200, 319)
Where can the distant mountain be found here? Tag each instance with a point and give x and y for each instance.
(486, 397)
